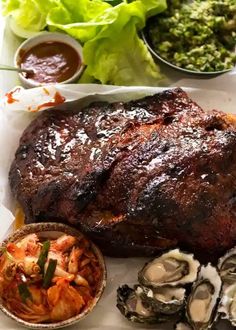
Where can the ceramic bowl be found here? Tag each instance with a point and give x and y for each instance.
(47, 37)
(157, 57)
(53, 231)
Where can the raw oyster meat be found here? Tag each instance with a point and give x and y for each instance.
(227, 267)
(204, 297)
(183, 326)
(227, 307)
(166, 300)
(172, 268)
(132, 307)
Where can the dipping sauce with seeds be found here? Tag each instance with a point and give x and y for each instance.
(51, 62)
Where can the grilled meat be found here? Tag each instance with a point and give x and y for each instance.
(138, 177)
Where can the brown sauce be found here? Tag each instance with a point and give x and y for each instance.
(51, 62)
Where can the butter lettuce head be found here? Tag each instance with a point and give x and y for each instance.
(113, 51)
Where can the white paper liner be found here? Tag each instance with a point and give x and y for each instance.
(16, 116)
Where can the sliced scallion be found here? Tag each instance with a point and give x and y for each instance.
(24, 292)
(49, 273)
(43, 256)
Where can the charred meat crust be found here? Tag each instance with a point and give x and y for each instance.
(138, 177)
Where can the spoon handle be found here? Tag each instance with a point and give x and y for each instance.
(12, 68)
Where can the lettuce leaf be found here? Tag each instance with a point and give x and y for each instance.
(124, 60)
(81, 19)
(113, 51)
(29, 14)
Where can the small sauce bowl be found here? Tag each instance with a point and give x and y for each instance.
(53, 58)
(52, 231)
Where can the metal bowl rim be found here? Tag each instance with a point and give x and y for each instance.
(155, 54)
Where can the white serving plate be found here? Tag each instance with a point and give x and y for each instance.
(216, 93)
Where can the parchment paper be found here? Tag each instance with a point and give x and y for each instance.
(16, 116)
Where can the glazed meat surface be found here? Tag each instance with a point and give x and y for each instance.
(137, 177)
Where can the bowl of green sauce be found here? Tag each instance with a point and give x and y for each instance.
(196, 37)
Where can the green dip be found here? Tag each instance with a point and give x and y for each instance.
(196, 35)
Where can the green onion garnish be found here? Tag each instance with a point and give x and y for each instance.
(24, 292)
(49, 273)
(43, 256)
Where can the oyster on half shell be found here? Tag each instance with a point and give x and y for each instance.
(227, 307)
(204, 297)
(132, 307)
(227, 267)
(166, 300)
(172, 268)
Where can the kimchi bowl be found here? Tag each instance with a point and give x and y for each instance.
(51, 276)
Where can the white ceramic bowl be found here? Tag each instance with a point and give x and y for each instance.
(45, 37)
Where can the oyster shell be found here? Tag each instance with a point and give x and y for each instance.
(227, 267)
(132, 307)
(183, 326)
(203, 299)
(227, 307)
(166, 300)
(172, 268)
